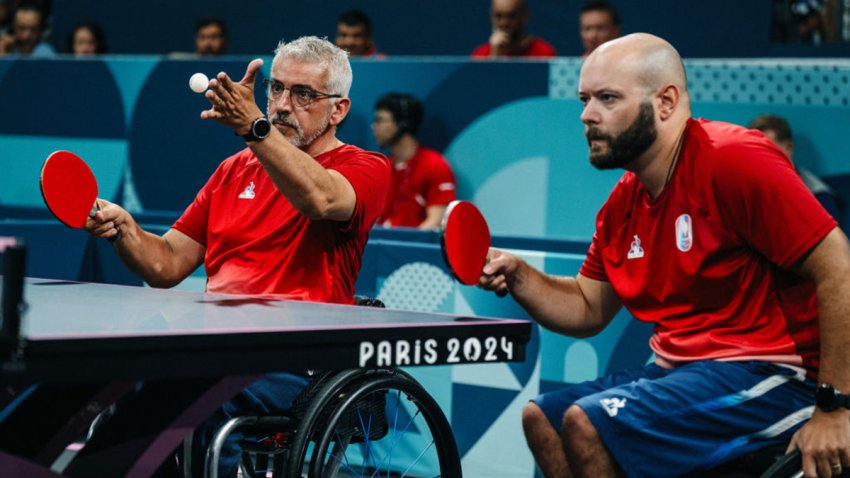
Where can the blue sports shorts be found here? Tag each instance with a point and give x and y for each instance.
(659, 422)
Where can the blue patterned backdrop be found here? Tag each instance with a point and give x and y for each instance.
(510, 130)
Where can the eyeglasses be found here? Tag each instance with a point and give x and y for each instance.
(299, 95)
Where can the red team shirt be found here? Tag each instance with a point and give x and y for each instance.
(536, 49)
(258, 243)
(707, 261)
(424, 180)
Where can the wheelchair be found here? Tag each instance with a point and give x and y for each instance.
(791, 466)
(347, 423)
(359, 422)
(769, 462)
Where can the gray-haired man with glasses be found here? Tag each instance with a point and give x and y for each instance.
(289, 215)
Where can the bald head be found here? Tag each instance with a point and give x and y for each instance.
(517, 5)
(648, 59)
(636, 104)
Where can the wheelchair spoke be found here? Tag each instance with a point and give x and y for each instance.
(417, 459)
(395, 433)
(340, 447)
(367, 444)
(397, 438)
(393, 440)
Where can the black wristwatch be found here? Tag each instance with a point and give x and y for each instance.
(260, 130)
(829, 398)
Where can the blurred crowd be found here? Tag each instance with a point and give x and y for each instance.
(25, 29)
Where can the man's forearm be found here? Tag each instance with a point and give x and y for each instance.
(153, 258)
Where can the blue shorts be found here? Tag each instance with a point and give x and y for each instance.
(660, 422)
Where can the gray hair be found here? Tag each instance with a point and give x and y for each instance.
(320, 51)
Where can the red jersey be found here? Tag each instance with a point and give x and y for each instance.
(258, 243)
(708, 260)
(536, 49)
(424, 180)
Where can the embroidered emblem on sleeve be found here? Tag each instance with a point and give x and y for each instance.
(248, 193)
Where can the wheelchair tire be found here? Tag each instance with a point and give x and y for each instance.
(380, 423)
(789, 466)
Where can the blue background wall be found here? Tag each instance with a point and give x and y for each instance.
(511, 130)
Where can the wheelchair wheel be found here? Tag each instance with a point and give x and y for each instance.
(789, 466)
(381, 424)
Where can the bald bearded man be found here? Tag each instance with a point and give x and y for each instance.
(711, 236)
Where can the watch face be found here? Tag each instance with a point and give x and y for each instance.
(261, 128)
(826, 398)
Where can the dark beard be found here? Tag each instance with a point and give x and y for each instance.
(629, 144)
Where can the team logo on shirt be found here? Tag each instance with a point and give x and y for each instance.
(613, 405)
(248, 193)
(635, 251)
(684, 233)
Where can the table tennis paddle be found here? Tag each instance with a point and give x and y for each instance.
(465, 241)
(69, 189)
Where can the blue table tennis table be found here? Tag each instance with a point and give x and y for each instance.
(87, 345)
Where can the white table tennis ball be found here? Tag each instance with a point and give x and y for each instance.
(199, 82)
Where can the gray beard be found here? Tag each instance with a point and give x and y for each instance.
(301, 141)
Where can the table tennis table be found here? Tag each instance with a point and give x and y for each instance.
(93, 342)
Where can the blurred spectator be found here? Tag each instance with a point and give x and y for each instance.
(509, 37)
(776, 129)
(86, 39)
(210, 37)
(598, 22)
(808, 21)
(354, 34)
(26, 33)
(5, 11)
(422, 180)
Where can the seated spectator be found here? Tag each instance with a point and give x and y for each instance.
(354, 35)
(598, 22)
(777, 130)
(810, 21)
(422, 180)
(210, 37)
(5, 11)
(86, 39)
(509, 37)
(26, 36)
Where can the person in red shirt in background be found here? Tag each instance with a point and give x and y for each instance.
(354, 35)
(509, 38)
(422, 180)
(598, 22)
(287, 216)
(711, 235)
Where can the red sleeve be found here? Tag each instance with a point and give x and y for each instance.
(765, 202)
(369, 175)
(441, 187)
(592, 267)
(541, 49)
(481, 51)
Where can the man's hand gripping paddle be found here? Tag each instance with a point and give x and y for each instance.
(69, 189)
